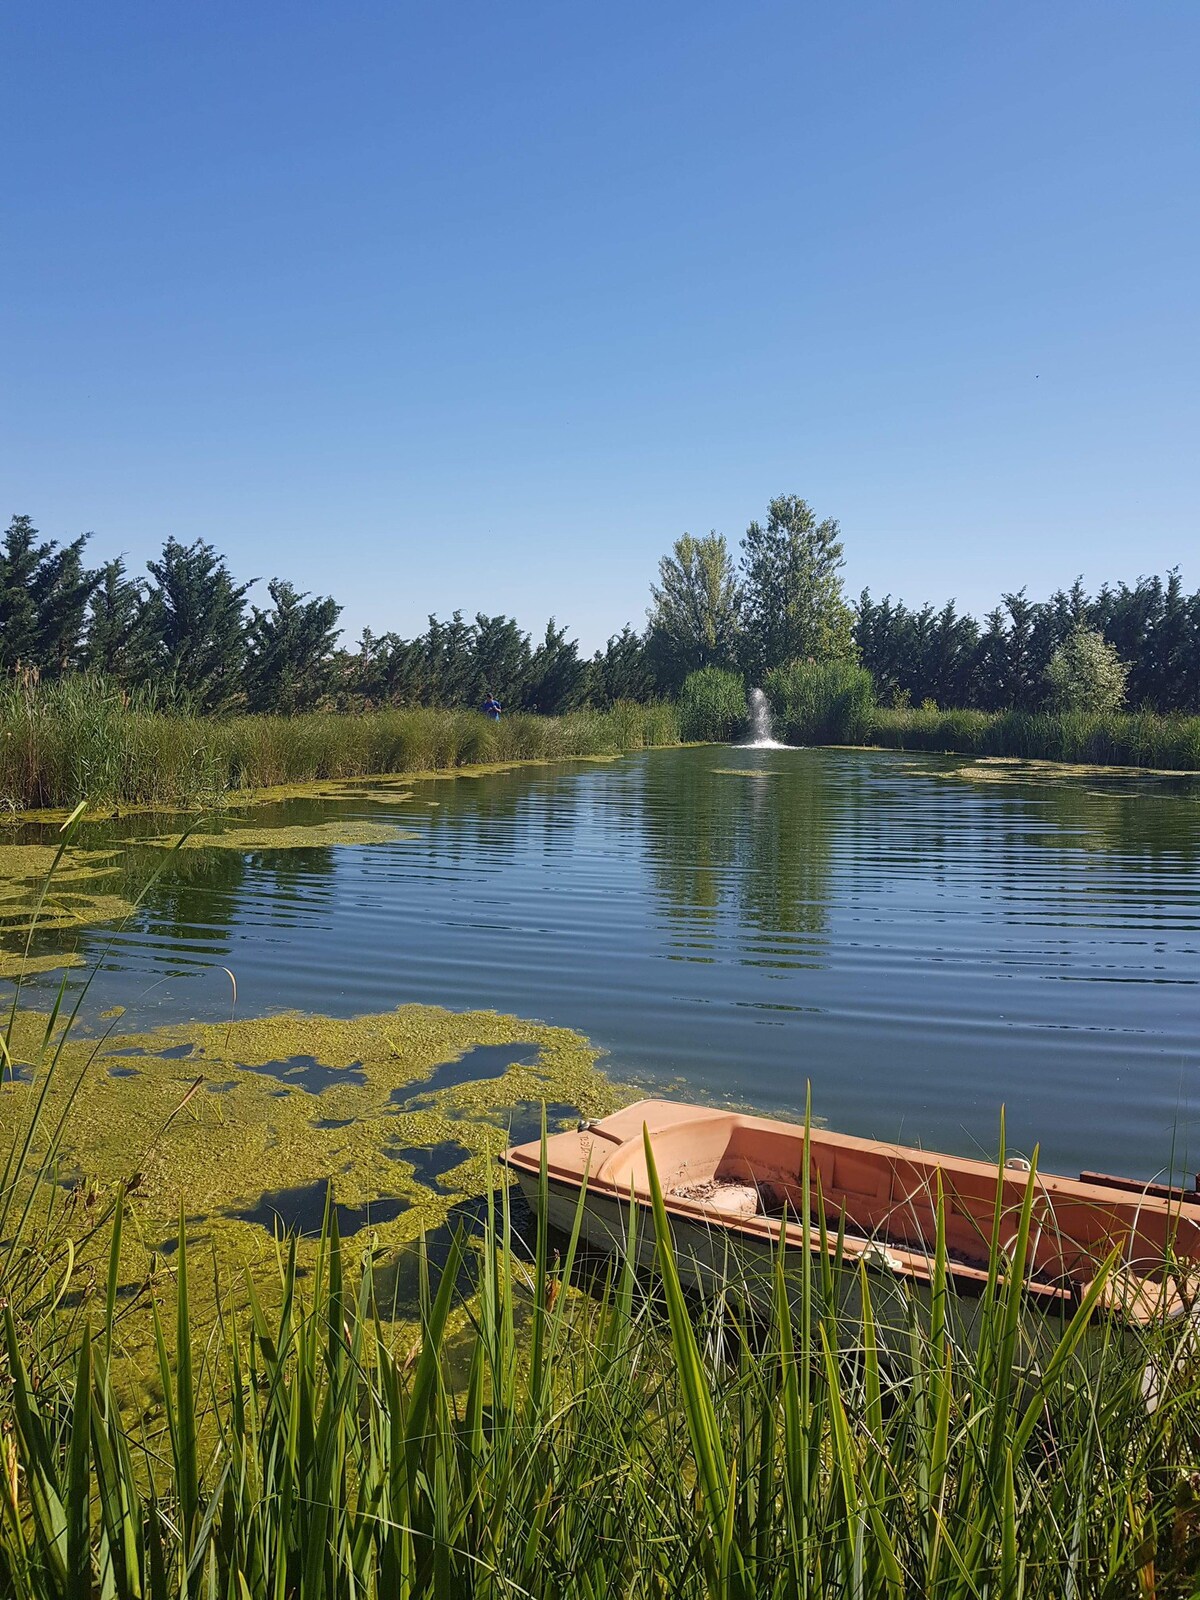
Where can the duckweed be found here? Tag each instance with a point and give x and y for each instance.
(69, 901)
(16, 964)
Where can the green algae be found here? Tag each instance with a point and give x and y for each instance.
(69, 900)
(1029, 769)
(16, 964)
(303, 836)
(198, 1125)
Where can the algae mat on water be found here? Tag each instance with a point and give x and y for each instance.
(241, 1126)
(305, 836)
(217, 1113)
(69, 899)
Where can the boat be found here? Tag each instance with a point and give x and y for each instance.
(733, 1188)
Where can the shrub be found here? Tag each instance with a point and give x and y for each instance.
(712, 706)
(821, 702)
(1086, 674)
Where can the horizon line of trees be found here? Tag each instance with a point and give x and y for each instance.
(188, 635)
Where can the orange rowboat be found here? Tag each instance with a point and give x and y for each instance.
(732, 1184)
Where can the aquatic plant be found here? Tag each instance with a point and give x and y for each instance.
(591, 1432)
(1131, 739)
(559, 1425)
(712, 706)
(80, 736)
(821, 702)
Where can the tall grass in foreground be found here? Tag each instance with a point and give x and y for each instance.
(79, 737)
(593, 1444)
(1116, 738)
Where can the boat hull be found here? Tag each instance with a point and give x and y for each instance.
(717, 1261)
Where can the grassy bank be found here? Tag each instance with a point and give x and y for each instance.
(583, 1436)
(1125, 739)
(78, 738)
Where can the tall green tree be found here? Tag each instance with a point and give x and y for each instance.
(502, 659)
(557, 677)
(792, 588)
(621, 671)
(290, 651)
(44, 593)
(1024, 673)
(1086, 674)
(197, 614)
(119, 640)
(388, 670)
(991, 668)
(694, 618)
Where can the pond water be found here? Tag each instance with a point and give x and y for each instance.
(924, 940)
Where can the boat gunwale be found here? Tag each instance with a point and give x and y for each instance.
(878, 1252)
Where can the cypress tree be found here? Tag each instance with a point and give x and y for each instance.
(289, 661)
(196, 612)
(44, 593)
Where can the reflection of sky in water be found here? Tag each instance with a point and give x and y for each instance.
(923, 948)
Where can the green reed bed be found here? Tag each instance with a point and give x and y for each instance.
(1133, 739)
(81, 737)
(592, 1441)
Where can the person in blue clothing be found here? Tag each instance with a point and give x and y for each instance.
(491, 707)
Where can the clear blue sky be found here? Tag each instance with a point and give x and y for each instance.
(436, 305)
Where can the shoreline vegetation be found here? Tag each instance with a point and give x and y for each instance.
(80, 737)
(559, 1425)
(61, 742)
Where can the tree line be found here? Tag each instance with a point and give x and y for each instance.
(782, 601)
(188, 634)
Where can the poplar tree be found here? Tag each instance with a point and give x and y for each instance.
(793, 604)
(694, 618)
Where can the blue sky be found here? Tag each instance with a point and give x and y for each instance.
(476, 305)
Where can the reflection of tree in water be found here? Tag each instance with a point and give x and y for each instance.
(1154, 817)
(760, 846)
(199, 897)
(1089, 834)
(498, 819)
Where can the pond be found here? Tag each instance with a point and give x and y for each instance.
(925, 939)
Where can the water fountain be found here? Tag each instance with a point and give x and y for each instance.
(760, 724)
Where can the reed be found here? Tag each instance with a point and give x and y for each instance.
(589, 1442)
(712, 706)
(83, 737)
(1132, 739)
(821, 702)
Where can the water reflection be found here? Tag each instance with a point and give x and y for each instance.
(743, 850)
(922, 938)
